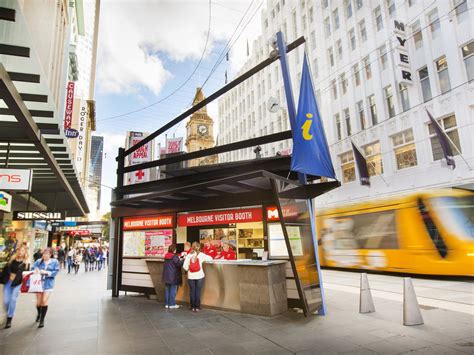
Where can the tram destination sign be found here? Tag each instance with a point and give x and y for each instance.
(37, 216)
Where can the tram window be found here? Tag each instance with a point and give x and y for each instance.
(432, 230)
(364, 231)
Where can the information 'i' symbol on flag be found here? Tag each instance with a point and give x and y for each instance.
(307, 126)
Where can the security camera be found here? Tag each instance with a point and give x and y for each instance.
(272, 42)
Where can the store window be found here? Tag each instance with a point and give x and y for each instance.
(378, 18)
(443, 74)
(417, 35)
(433, 20)
(356, 74)
(347, 167)
(389, 101)
(462, 11)
(368, 69)
(337, 120)
(335, 18)
(405, 149)
(403, 89)
(334, 89)
(373, 156)
(347, 119)
(425, 83)
(468, 55)
(348, 8)
(352, 39)
(373, 109)
(449, 126)
(361, 113)
(383, 57)
(362, 31)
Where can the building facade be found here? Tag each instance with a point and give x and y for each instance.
(376, 67)
(95, 176)
(199, 133)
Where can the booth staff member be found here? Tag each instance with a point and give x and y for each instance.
(209, 249)
(187, 250)
(227, 253)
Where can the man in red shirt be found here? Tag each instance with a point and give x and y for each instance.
(227, 253)
(209, 249)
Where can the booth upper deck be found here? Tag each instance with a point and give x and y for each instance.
(235, 202)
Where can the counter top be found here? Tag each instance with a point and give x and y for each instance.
(246, 262)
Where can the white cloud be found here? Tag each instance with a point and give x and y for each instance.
(136, 38)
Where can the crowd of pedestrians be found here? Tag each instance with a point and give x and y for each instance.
(93, 258)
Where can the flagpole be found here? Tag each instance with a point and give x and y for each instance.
(301, 177)
(450, 141)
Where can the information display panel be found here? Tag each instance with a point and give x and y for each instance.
(147, 243)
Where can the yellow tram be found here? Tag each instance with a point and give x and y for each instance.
(429, 232)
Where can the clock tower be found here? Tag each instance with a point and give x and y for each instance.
(199, 133)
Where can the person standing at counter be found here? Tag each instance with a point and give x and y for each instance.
(171, 276)
(209, 249)
(193, 265)
(227, 253)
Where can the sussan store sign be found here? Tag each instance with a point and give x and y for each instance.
(40, 216)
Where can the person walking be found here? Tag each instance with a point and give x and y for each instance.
(61, 257)
(193, 265)
(86, 258)
(11, 278)
(172, 276)
(77, 261)
(70, 259)
(100, 258)
(48, 268)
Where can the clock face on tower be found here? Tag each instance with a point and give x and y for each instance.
(202, 129)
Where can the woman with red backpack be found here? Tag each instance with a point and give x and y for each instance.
(193, 265)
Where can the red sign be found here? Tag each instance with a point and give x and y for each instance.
(79, 232)
(220, 217)
(69, 105)
(174, 145)
(147, 222)
(288, 211)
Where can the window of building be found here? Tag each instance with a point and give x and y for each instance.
(359, 4)
(443, 74)
(347, 119)
(405, 149)
(335, 19)
(331, 56)
(337, 119)
(347, 167)
(383, 57)
(302, 3)
(361, 114)
(433, 20)
(315, 68)
(417, 35)
(352, 39)
(325, 3)
(266, 23)
(425, 83)
(362, 31)
(312, 40)
(449, 126)
(311, 15)
(461, 9)
(411, 3)
(392, 12)
(334, 89)
(389, 101)
(368, 69)
(356, 74)
(348, 8)
(344, 83)
(403, 89)
(378, 18)
(468, 55)
(373, 156)
(373, 109)
(303, 20)
(339, 49)
(327, 26)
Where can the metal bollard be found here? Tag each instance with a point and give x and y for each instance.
(366, 303)
(411, 309)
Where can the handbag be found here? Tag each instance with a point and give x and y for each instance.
(25, 284)
(36, 284)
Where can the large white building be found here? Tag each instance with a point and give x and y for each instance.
(372, 88)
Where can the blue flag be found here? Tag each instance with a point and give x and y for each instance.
(310, 147)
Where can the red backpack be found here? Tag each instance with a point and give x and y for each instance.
(194, 265)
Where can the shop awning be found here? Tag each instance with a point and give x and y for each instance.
(31, 134)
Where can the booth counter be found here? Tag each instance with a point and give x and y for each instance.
(248, 286)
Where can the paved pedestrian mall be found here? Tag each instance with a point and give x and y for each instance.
(84, 319)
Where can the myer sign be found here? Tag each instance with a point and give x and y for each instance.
(32, 216)
(16, 179)
(402, 59)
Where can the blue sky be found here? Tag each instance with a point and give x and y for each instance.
(144, 57)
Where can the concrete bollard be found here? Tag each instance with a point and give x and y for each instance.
(411, 310)
(366, 303)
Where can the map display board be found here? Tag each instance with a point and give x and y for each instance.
(147, 243)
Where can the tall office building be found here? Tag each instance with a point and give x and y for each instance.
(376, 66)
(95, 176)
